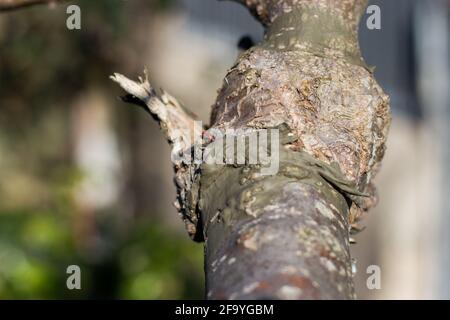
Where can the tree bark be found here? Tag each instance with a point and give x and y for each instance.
(286, 235)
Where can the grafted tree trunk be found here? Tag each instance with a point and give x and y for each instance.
(285, 235)
(6, 5)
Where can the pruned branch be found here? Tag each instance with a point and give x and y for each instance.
(176, 122)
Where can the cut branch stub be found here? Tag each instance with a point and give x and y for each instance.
(179, 127)
(177, 123)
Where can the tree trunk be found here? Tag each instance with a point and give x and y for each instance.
(282, 235)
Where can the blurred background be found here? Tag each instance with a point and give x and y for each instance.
(86, 179)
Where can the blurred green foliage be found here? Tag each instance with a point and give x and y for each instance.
(147, 260)
(150, 263)
(43, 67)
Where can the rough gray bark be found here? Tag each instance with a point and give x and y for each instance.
(284, 236)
